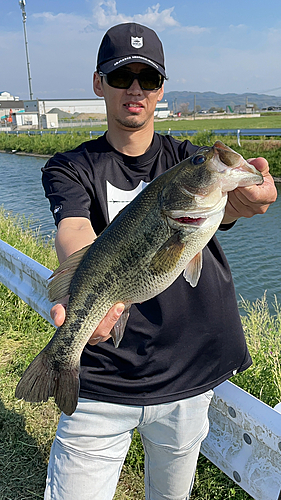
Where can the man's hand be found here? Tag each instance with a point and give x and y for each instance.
(248, 201)
(75, 233)
(102, 333)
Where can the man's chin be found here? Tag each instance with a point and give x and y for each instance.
(131, 123)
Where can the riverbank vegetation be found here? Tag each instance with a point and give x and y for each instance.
(270, 148)
(27, 430)
(272, 121)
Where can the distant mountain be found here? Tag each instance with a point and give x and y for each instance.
(208, 100)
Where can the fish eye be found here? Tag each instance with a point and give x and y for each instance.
(198, 159)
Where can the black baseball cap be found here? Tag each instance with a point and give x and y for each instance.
(130, 42)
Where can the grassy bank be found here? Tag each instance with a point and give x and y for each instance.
(221, 123)
(45, 144)
(27, 430)
(49, 144)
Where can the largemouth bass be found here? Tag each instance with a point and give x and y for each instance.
(155, 238)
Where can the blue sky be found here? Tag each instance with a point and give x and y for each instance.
(218, 46)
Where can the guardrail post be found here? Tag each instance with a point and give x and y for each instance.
(244, 441)
(238, 138)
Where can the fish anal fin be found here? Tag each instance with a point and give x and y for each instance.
(193, 270)
(61, 278)
(39, 382)
(117, 331)
(167, 257)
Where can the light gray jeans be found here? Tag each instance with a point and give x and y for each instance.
(90, 448)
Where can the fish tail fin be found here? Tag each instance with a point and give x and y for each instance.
(40, 381)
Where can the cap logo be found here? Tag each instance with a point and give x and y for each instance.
(137, 42)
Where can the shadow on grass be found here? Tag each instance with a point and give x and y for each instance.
(22, 463)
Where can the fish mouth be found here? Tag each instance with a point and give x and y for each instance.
(197, 218)
(190, 221)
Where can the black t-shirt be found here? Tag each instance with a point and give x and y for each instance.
(184, 341)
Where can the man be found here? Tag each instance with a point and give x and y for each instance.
(178, 346)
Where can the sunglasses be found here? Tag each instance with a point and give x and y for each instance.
(121, 78)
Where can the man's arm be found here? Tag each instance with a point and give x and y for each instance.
(248, 201)
(73, 234)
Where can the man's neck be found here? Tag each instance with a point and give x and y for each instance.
(131, 142)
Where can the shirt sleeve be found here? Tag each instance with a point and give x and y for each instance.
(64, 187)
(226, 227)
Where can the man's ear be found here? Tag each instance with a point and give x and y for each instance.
(161, 93)
(97, 86)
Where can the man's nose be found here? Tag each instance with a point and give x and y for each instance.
(135, 88)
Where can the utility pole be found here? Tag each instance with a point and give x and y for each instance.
(22, 6)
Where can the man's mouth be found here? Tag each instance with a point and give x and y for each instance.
(134, 107)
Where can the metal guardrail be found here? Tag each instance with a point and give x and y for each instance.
(31, 133)
(26, 278)
(244, 440)
(252, 132)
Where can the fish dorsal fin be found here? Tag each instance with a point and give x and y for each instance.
(193, 269)
(117, 331)
(62, 276)
(168, 255)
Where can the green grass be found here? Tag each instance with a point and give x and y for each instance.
(270, 148)
(45, 144)
(27, 430)
(262, 330)
(222, 123)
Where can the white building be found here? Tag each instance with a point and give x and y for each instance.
(71, 106)
(25, 120)
(6, 96)
(8, 105)
(162, 110)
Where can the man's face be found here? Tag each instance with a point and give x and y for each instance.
(130, 108)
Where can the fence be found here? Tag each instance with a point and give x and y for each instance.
(244, 440)
(270, 132)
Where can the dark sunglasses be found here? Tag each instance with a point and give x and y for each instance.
(121, 78)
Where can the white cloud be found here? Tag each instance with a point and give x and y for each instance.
(193, 30)
(62, 24)
(105, 15)
(238, 27)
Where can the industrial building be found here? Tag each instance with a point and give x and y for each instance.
(47, 113)
(9, 105)
(70, 106)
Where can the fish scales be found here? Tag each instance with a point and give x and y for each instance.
(155, 238)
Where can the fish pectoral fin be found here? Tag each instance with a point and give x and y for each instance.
(117, 331)
(62, 276)
(193, 269)
(168, 255)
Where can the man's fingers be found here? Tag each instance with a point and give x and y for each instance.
(102, 332)
(58, 314)
(260, 163)
(239, 206)
(95, 340)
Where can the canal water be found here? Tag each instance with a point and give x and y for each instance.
(253, 247)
